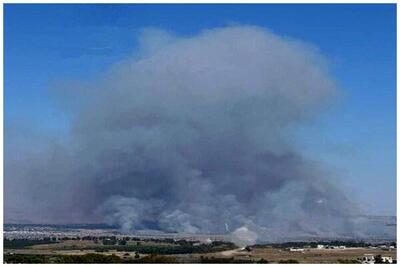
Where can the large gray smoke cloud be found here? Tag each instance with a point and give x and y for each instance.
(191, 136)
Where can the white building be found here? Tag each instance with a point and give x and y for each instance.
(368, 259)
(387, 259)
(320, 246)
(296, 249)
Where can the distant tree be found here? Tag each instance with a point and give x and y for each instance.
(137, 255)
(22, 243)
(378, 259)
(109, 242)
(20, 258)
(101, 250)
(122, 242)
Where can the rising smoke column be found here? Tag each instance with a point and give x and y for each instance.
(190, 135)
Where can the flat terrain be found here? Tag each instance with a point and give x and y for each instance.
(312, 255)
(217, 254)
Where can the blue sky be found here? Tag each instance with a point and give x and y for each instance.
(355, 138)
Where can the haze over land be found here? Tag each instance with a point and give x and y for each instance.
(191, 135)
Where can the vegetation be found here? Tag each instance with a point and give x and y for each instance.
(347, 261)
(156, 250)
(23, 243)
(87, 258)
(122, 242)
(143, 248)
(101, 250)
(229, 260)
(181, 249)
(379, 259)
(109, 242)
(289, 261)
(21, 258)
(153, 259)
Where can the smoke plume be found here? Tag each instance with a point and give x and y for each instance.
(190, 135)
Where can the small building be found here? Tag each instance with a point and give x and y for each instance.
(248, 248)
(387, 259)
(320, 246)
(296, 249)
(368, 259)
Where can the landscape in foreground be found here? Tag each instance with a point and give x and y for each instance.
(103, 244)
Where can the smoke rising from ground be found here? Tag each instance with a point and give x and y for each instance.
(190, 136)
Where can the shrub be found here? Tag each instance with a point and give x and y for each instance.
(289, 261)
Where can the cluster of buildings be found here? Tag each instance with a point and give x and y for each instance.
(383, 247)
(330, 247)
(371, 259)
(366, 259)
(40, 233)
(59, 233)
(294, 249)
